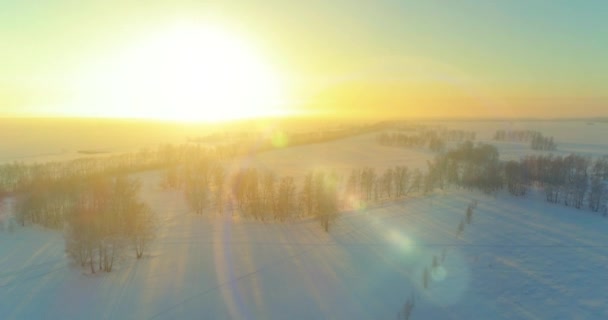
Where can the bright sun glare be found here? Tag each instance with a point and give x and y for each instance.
(189, 73)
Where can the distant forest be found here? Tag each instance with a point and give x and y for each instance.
(536, 139)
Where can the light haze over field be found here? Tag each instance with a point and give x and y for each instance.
(218, 60)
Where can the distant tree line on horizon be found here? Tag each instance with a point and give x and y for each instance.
(433, 139)
(228, 146)
(536, 139)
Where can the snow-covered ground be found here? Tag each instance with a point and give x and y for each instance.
(581, 137)
(520, 258)
(517, 260)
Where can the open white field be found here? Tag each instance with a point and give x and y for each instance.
(581, 137)
(340, 155)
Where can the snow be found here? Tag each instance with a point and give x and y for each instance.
(340, 156)
(571, 136)
(520, 258)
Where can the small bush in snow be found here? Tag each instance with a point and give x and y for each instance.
(406, 310)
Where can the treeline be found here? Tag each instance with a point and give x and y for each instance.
(435, 140)
(257, 194)
(92, 200)
(254, 142)
(573, 180)
(393, 183)
(19, 177)
(101, 216)
(469, 166)
(515, 135)
(540, 142)
(536, 139)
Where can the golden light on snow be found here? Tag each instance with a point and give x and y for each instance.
(224, 268)
(356, 203)
(402, 241)
(279, 139)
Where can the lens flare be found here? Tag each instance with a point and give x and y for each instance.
(403, 242)
(451, 280)
(279, 139)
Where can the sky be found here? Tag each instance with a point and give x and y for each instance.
(432, 58)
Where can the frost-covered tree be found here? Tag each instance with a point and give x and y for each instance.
(325, 198)
(219, 181)
(406, 310)
(386, 182)
(515, 178)
(285, 198)
(598, 194)
(268, 193)
(106, 216)
(416, 181)
(469, 214)
(307, 194)
(402, 177)
(142, 231)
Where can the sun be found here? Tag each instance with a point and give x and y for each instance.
(189, 72)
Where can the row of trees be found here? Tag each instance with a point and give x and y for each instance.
(393, 183)
(536, 139)
(571, 180)
(20, 177)
(540, 142)
(231, 145)
(435, 140)
(257, 194)
(261, 195)
(422, 140)
(515, 135)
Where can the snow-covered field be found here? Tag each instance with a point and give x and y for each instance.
(518, 259)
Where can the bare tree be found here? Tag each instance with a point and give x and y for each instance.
(105, 217)
(597, 194)
(469, 214)
(401, 180)
(268, 193)
(416, 181)
(408, 307)
(197, 194)
(387, 182)
(326, 198)
(219, 180)
(285, 198)
(142, 232)
(306, 195)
